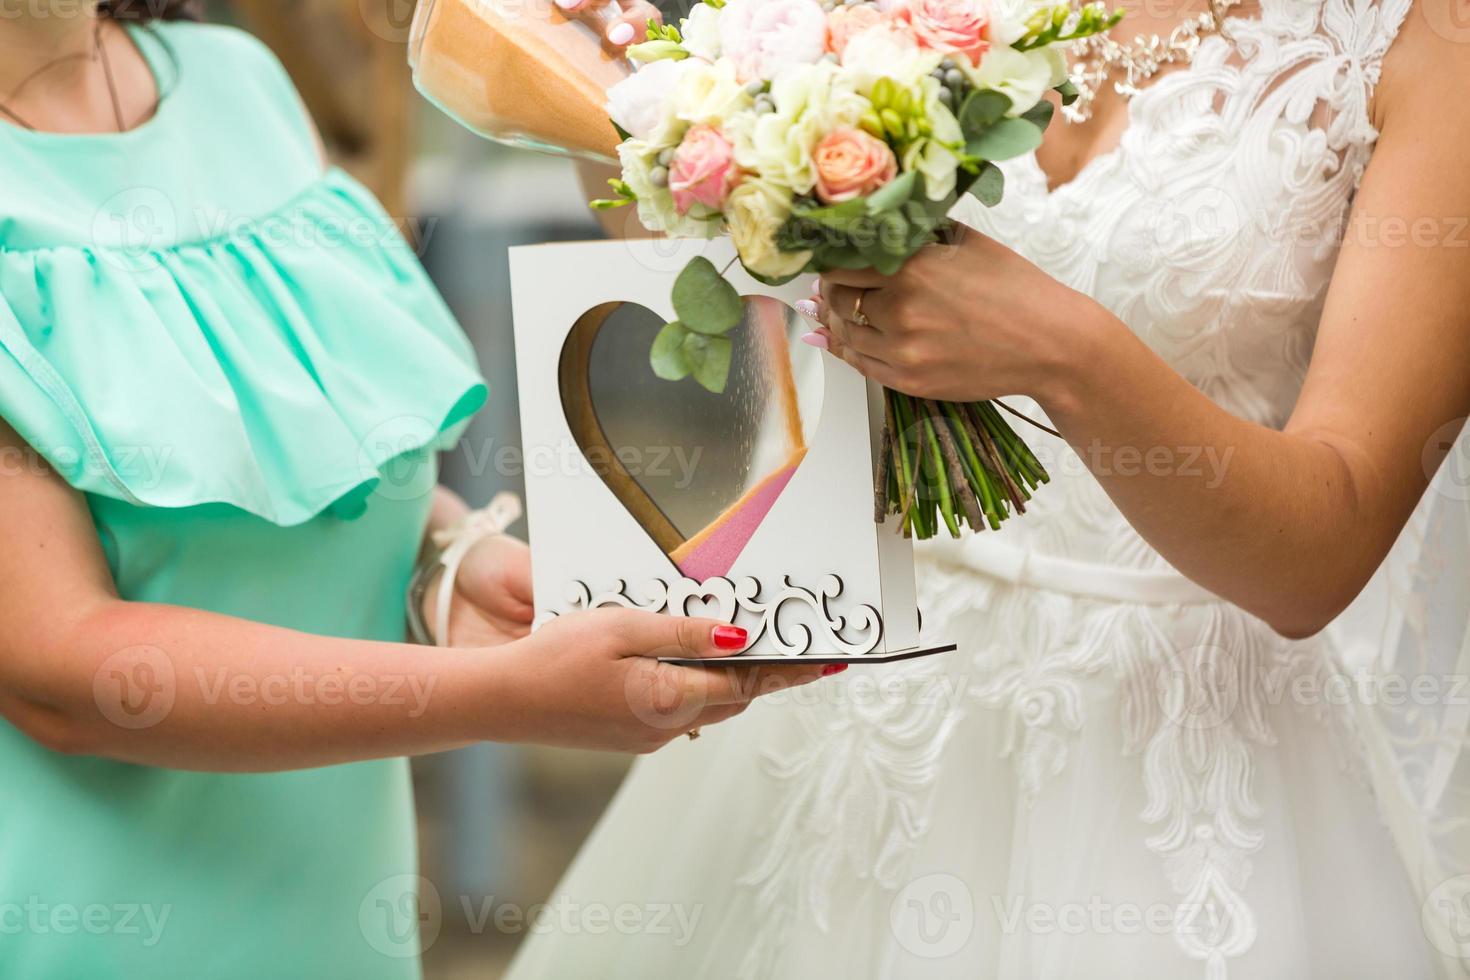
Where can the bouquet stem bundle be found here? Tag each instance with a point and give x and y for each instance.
(951, 463)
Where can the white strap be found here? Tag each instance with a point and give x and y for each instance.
(456, 542)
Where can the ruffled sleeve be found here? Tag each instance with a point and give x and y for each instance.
(276, 367)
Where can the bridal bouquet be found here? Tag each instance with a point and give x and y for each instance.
(822, 136)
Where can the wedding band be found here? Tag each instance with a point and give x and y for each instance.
(858, 316)
(693, 733)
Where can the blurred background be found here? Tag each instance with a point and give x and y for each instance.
(498, 825)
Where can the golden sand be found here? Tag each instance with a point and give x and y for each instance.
(510, 75)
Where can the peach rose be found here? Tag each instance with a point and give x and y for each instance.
(844, 23)
(951, 26)
(702, 171)
(850, 163)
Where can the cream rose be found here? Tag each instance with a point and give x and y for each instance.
(755, 211)
(641, 103)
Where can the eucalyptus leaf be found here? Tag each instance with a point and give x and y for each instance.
(990, 186)
(1006, 139)
(709, 358)
(1040, 114)
(892, 194)
(982, 109)
(1068, 91)
(704, 300)
(667, 357)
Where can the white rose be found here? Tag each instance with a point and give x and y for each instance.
(642, 103)
(656, 204)
(767, 37)
(811, 101)
(1023, 76)
(709, 93)
(701, 32)
(755, 210)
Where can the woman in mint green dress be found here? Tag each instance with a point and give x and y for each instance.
(223, 378)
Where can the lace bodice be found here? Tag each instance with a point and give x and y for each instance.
(1211, 230)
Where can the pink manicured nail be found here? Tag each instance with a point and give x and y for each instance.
(816, 287)
(815, 339)
(807, 308)
(831, 669)
(620, 34)
(567, 4)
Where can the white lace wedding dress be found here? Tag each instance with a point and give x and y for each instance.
(1118, 775)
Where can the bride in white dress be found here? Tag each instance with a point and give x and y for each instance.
(1129, 769)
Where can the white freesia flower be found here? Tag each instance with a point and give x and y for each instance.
(656, 204)
(1023, 76)
(765, 38)
(755, 210)
(701, 32)
(934, 156)
(811, 101)
(708, 93)
(641, 103)
(1008, 20)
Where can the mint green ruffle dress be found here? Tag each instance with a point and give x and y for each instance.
(242, 366)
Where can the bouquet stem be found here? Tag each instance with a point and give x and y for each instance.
(947, 462)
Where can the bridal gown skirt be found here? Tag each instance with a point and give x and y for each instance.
(1116, 776)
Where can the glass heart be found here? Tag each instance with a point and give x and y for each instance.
(698, 471)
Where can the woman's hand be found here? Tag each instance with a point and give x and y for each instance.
(593, 680)
(962, 322)
(493, 602)
(620, 24)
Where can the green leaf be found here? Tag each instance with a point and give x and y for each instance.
(989, 186)
(1040, 114)
(704, 299)
(667, 357)
(982, 109)
(709, 357)
(1068, 92)
(1006, 139)
(892, 194)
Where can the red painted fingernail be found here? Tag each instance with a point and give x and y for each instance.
(730, 637)
(831, 669)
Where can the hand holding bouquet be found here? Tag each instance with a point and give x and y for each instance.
(822, 137)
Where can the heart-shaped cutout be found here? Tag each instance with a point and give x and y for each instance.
(698, 471)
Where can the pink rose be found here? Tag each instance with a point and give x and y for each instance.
(951, 26)
(844, 23)
(850, 163)
(763, 37)
(702, 171)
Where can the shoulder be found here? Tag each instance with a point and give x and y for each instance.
(227, 47)
(1426, 69)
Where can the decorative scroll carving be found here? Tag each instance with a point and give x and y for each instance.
(797, 620)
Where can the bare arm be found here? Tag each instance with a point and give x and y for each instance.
(79, 665)
(1303, 516)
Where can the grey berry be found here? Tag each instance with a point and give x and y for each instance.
(659, 176)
